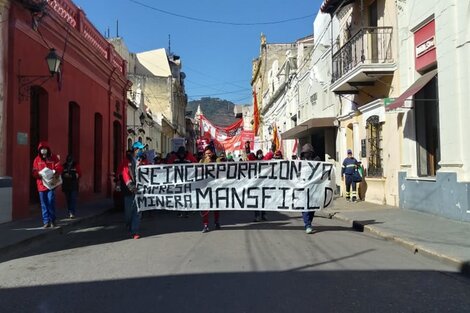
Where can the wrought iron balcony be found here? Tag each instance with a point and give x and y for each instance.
(370, 47)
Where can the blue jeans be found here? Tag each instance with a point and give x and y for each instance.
(308, 218)
(71, 197)
(132, 216)
(47, 199)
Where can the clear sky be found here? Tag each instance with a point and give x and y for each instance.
(216, 57)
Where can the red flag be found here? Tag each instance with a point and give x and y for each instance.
(255, 114)
(276, 138)
(294, 149)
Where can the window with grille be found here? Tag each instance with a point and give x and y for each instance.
(374, 141)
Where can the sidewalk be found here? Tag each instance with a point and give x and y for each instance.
(24, 231)
(430, 235)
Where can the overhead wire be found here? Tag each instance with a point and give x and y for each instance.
(196, 19)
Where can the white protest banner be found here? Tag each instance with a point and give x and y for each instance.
(276, 185)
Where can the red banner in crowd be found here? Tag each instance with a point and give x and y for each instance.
(255, 114)
(230, 138)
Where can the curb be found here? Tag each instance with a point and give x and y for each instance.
(57, 230)
(464, 267)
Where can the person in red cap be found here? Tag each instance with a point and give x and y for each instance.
(277, 155)
(251, 156)
(47, 170)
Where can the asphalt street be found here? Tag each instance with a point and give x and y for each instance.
(269, 266)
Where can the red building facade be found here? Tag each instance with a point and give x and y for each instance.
(80, 111)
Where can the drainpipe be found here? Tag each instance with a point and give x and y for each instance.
(331, 44)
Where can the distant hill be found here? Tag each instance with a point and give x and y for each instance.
(218, 111)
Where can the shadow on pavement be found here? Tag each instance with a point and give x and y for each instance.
(110, 228)
(283, 291)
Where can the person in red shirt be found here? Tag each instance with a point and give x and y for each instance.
(128, 176)
(47, 170)
(209, 157)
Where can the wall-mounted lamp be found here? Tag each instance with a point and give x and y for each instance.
(53, 62)
(26, 81)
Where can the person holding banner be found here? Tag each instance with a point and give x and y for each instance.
(128, 172)
(183, 157)
(308, 154)
(209, 157)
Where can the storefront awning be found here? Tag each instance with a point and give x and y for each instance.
(416, 87)
(302, 129)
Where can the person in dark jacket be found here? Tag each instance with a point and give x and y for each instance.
(182, 157)
(308, 153)
(70, 177)
(347, 172)
(47, 170)
(128, 170)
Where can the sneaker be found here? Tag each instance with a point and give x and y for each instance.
(136, 236)
(53, 224)
(309, 230)
(47, 225)
(71, 216)
(205, 229)
(348, 199)
(217, 225)
(354, 199)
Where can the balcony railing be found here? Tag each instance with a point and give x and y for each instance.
(370, 45)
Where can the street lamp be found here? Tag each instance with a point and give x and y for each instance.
(25, 82)
(53, 62)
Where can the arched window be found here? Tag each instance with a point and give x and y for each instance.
(129, 143)
(374, 140)
(98, 153)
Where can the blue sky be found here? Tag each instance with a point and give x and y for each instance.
(216, 57)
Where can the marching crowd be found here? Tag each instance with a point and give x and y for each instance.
(50, 173)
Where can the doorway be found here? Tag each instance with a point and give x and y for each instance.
(98, 153)
(38, 131)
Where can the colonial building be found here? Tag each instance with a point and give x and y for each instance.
(363, 79)
(5, 182)
(158, 90)
(268, 86)
(77, 105)
(142, 124)
(432, 108)
(310, 109)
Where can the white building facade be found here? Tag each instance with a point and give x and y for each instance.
(433, 107)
